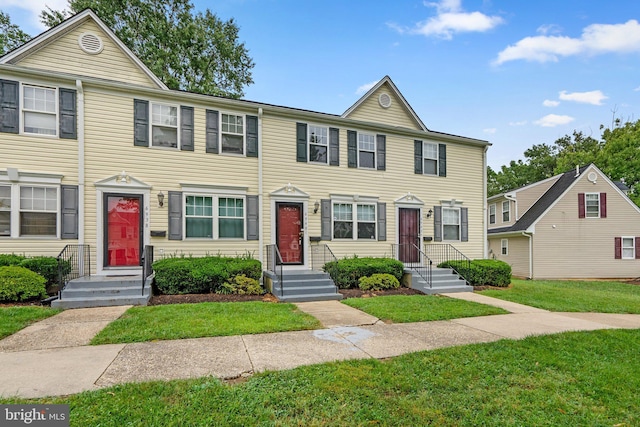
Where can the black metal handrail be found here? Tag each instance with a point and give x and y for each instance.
(445, 252)
(415, 260)
(274, 265)
(320, 255)
(147, 264)
(74, 261)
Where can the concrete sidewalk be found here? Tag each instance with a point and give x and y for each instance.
(60, 371)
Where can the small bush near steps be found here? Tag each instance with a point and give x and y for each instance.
(21, 284)
(378, 282)
(346, 272)
(242, 285)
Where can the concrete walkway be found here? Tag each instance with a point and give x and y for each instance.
(71, 366)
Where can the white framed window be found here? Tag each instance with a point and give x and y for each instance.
(214, 217)
(361, 226)
(366, 150)
(318, 138)
(5, 210)
(450, 224)
(628, 248)
(232, 131)
(164, 125)
(38, 211)
(592, 205)
(492, 213)
(366, 219)
(39, 110)
(506, 211)
(504, 246)
(430, 158)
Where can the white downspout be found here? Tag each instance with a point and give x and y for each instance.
(80, 121)
(484, 204)
(260, 209)
(524, 233)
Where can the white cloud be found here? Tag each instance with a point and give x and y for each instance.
(490, 130)
(595, 97)
(637, 89)
(553, 120)
(365, 87)
(595, 39)
(548, 29)
(451, 19)
(521, 123)
(550, 103)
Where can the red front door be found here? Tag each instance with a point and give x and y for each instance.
(123, 230)
(409, 235)
(289, 232)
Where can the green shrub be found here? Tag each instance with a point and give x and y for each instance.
(242, 285)
(21, 284)
(11, 259)
(46, 266)
(346, 272)
(378, 282)
(482, 272)
(190, 275)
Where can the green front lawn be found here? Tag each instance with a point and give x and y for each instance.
(569, 295)
(420, 308)
(12, 319)
(570, 379)
(210, 319)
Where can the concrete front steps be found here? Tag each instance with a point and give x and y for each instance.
(303, 286)
(443, 280)
(104, 291)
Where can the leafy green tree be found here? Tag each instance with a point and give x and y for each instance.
(11, 36)
(187, 50)
(620, 156)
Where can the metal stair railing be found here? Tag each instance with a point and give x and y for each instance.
(456, 260)
(320, 255)
(74, 261)
(274, 264)
(414, 259)
(147, 264)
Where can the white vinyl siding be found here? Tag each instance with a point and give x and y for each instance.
(450, 224)
(592, 205)
(318, 139)
(164, 125)
(232, 131)
(628, 248)
(506, 212)
(366, 150)
(492, 213)
(39, 110)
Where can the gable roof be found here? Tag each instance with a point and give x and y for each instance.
(65, 27)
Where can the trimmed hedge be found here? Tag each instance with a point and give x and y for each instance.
(21, 284)
(46, 266)
(378, 282)
(11, 259)
(482, 272)
(346, 272)
(189, 275)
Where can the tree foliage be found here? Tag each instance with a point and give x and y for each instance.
(617, 154)
(11, 36)
(187, 50)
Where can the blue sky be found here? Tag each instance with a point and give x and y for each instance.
(515, 73)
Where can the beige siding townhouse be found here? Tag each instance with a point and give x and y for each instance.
(576, 225)
(96, 151)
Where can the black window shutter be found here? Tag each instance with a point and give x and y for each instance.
(352, 149)
(442, 160)
(325, 219)
(417, 156)
(69, 211)
(301, 142)
(67, 103)
(141, 123)
(252, 136)
(175, 215)
(382, 222)
(9, 106)
(253, 232)
(334, 147)
(464, 224)
(186, 128)
(381, 150)
(437, 223)
(212, 132)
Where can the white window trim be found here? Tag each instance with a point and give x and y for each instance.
(492, 207)
(22, 110)
(15, 208)
(375, 149)
(507, 211)
(354, 201)
(586, 211)
(309, 143)
(151, 125)
(244, 133)
(215, 231)
(633, 247)
(459, 224)
(424, 157)
(504, 247)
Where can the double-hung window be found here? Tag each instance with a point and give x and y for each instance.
(430, 158)
(5, 210)
(366, 221)
(492, 213)
(343, 221)
(164, 125)
(628, 248)
(366, 150)
(230, 217)
(592, 203)
(450, 224)
(40, 110)
(504, 246)
(38, 211)
(506, 211)
(205, 222)
(232, 127)
(318, 143)
(199, 216)
(363, 222)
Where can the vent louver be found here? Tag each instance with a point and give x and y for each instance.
(90, 43)
(385, 100)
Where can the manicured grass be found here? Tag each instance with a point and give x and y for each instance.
(210, 319)
(12, 319)
(585, 296)
(420, 308)
(570, 379)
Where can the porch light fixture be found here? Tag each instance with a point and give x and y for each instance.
(429, 213)
(123, 177)
(316, 206)
(160, 199)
